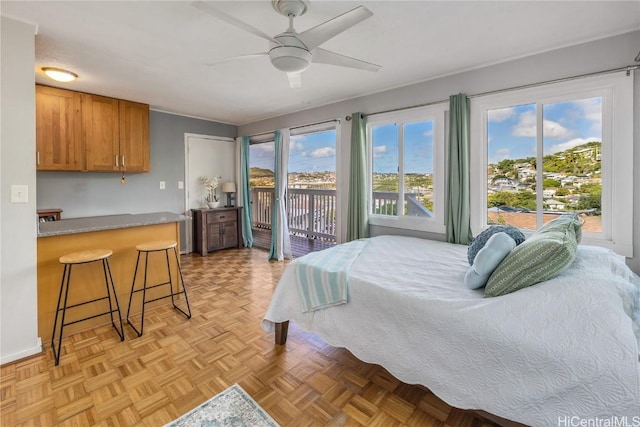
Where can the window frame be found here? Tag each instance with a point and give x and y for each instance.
(616, 91)
(437, 114)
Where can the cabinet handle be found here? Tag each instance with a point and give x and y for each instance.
(117, 165)
(37, 158)
(222, 217)
(123, 162)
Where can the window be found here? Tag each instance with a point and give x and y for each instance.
(556, 149)
(312, 199)
(407, 168)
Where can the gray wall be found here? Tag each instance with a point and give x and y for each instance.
(612, 52)
(18, 283)
(82, 194)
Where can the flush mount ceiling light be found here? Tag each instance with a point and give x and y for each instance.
(59, 75)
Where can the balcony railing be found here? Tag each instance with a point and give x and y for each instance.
(311, 212)
(386, 203)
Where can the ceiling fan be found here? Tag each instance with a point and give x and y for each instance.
(293, 52)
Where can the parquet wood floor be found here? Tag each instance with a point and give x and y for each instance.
(178, 364)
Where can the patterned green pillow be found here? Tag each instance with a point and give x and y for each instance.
(542, 256)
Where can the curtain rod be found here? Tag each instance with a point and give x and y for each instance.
(628, 69)
(315, 124)
(295, 127)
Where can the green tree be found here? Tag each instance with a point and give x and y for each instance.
(562, 192)
(551, 183)
(502, 198)
(526, 200)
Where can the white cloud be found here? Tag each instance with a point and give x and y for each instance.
(592, 110)
(296, 145)
(556, 148)
(427, 133)
(379, 151)
(501, 114)
(323, 152)
(527, 127)
(553, 129)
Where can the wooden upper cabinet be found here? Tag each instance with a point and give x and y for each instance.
(134, 136)
(84, 132)
(59, 143)
(100, 128)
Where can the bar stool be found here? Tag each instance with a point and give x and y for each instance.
(146, 248)
(69, 261)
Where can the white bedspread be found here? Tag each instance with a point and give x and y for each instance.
(562, 348)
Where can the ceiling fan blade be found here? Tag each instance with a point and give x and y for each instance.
(295, 80)
(239, 57)
(207, 8)
(314, 37)
(324, 56)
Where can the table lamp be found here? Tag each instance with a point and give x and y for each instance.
(229, 188)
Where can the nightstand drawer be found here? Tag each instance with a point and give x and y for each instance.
(222, 216)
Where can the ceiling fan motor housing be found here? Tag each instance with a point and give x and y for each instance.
(292, 56)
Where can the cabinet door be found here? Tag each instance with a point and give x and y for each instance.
(229, 234)
(100, 132)
(134, 136)
(214, 237)
(58, 130)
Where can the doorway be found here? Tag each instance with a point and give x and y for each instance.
(205, 156)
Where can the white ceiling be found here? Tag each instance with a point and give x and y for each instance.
(157, 51)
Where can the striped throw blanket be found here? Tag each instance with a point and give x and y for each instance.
(322, 277)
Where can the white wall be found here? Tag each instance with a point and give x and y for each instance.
(599, 55)
(18, 289)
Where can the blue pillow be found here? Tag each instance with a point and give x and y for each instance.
(488, 258)
(479, 242)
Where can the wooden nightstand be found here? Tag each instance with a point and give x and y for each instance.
(217, 228)
(49, 214)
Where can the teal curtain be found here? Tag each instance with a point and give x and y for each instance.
(280, 242)
(357, 210)
(458, 213)
(247, 215)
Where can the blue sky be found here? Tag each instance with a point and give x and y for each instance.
(418, 147)
(512, 131)
(314, 152)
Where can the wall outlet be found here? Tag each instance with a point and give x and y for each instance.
(19, 194)
(180, 185)
(162, 185)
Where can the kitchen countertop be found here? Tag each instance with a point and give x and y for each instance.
(110, 222)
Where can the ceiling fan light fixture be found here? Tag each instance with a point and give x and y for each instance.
(290, 59)
(59, 74)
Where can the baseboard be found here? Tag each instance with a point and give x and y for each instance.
(23, 354)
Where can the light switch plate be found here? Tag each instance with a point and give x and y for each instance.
(19, 194)
(180, 185)
(162, 185)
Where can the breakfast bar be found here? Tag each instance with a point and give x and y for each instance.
(119, 233)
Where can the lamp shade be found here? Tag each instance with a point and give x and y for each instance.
(228, 187)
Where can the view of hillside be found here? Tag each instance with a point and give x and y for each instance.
(572, 182)
(260, 177)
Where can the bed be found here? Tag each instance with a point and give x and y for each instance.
(567, 347)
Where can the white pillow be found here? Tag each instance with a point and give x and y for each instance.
(488, 258)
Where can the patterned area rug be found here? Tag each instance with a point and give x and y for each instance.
(231, 408)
